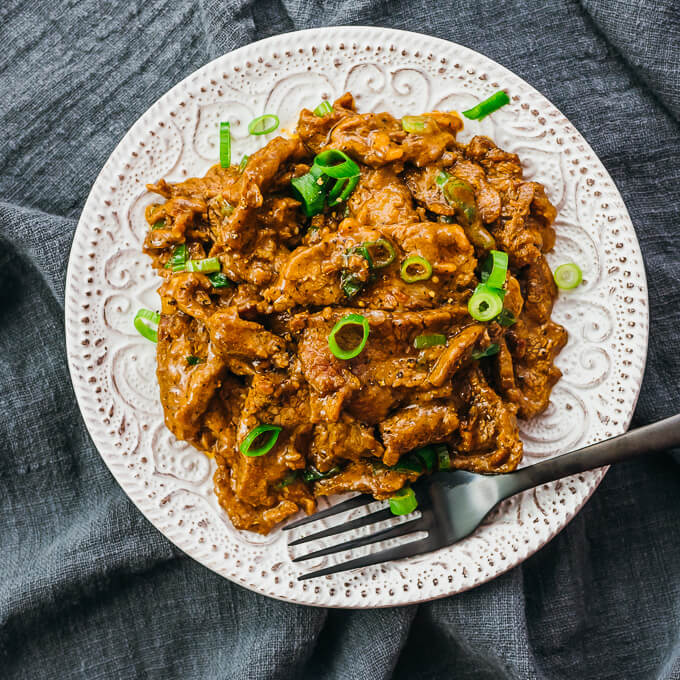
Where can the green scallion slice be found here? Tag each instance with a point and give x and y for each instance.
(506, 318)
(403, 502)
(209, 265)
(336, 163)
(263, 125)
(568, 276)
(246, 445)
(322, 109)
(460, 195)
(495, 269)
(485, 304)
(408, 464)
(159, 224)
(192, 360)
(144, 329)
(382, 252)
(350, 283)
(429, 340)
(225, 144)
(349, 320)
(415, 268)
(341, 190)
(483, 109)
(243, 163)
(178, 259)
(490, 351)
(310, 190)
(428, 456)
(220, 281)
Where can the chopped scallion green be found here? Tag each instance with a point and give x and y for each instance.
(246, 445)
(489, 105)
(322, 109)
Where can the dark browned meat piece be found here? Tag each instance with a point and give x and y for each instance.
(250, 346)
(417, 425)
(315, 130)
(540, 291)
(489, 438)
(381, 197)
(365, 477)
(336, 443)
(534, 348)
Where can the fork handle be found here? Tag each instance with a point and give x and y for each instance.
(648, 439)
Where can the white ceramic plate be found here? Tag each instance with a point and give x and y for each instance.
(113, 368)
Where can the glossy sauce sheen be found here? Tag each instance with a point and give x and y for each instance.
(262, 343)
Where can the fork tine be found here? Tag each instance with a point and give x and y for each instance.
(420, 523)
(407, 550)
(350, 504)
(362, 521)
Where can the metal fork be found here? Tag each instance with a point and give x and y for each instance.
(452, 504)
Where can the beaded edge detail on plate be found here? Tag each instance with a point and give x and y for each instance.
(113, 369)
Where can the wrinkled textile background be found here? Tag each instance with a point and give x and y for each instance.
(88, 589)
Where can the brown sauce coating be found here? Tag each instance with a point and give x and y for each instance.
(256, 352)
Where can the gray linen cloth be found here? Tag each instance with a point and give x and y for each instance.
(89, 589)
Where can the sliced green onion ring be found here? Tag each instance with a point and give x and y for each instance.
(489, 105)
(144, 329)
(429, 340)
(403, 502)
(485, 303)
(220, 281)
(336, 163)
(568, 276)
(263, 125)
(209, 265)
(159, 224)
(322, 109)
(443, 457)
(423, 269)
(247, 443)
(341, 190)
(384, 244)
(349, 320)
(413, 123)
(490, 351)
(460, 195)
(243, 163)
(225, 144)
(193, 360)
(495, 269)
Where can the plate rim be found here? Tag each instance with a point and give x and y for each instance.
(597, 474)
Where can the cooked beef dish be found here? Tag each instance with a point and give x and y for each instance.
(260, 364)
